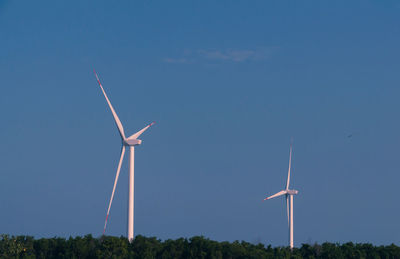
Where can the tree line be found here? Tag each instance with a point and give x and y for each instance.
(195, 247)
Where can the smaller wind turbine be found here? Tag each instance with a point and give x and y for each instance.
(288, 194)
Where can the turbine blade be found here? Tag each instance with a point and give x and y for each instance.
(276, 195)
(115, 185)
(137, 134)
(287, 209)
(117, 121)
(290, 164)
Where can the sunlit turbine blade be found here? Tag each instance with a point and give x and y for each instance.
(137, 134)
(115, 185)
(117, 121)
(287, 208)
(276, 195)
(290, 163)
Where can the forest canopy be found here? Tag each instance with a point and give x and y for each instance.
(195, 247)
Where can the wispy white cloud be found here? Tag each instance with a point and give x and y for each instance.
(227, 55)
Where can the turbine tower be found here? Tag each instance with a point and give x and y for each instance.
(130, 142)
(289, 201)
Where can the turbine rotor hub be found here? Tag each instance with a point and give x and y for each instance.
(132, 142)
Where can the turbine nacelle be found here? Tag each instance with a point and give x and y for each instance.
(292, 192)
(132, 142)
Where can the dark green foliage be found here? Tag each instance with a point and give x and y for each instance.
(195, 247)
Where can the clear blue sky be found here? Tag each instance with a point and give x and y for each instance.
(228, 84)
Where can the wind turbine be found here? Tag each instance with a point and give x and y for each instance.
(130, 142)
(288, 195)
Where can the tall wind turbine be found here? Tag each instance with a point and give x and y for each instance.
(130, 142)
(288, 195)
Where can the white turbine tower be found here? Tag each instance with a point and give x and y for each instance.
(288, 194)
(130, 142)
